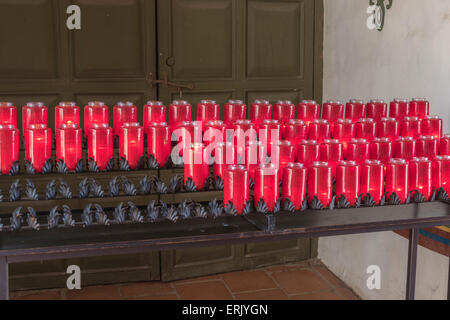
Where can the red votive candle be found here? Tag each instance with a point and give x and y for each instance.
(431, 126)
(8, 114)
(131, 143)
(269, 133)
(224, 156)
(34, 113)
(347, 180)
(100, 144)
(410, 127)
(283, 111)
(372, 179)
(69, 140)
(380, 149)
(398, 109)
(420, 176)
(179, 111)
(344, 131)
(283, 153)
(320, 183)
(388, 128)
(38, 145)
(294, 131)
(319, 130)
(427, 146)
(195, 166)
(187, 133)
(207, 110)
(419, 107)
(332, 111)
(376, 109)
(441, 173)
(67, 113)
(331, 151)
(308, 152)
(266, 185)
(366, 129)
(154, 112)
(397, 178)
(444, 145)
(260, 110)
(355, 109)
(255, 154)
(95, 112)
(357, 150)
(123, 112)
(243, 132)
(308, 110)
(234, 110)
(9, 146)
(215, 132)
(158, 142)
(236, 187)
(294, 184)
(404, 148)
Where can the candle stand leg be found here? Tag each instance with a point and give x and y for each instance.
(448, 282)
(412, 262)
(4, 289)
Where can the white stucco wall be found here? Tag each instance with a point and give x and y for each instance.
(409, 58)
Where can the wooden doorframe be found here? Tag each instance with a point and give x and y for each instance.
(318, 50)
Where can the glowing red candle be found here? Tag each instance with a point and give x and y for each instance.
(131, 143)
(158, 142)
(95, 112)
(224, 156)
(260, 110)
(269, 133)
(153, 112)
(283, 153)
(234, 110)
(207, 110)
(332, 111)
(320, 183)
(123, 112)
(255, 154)
(294, 131)
(397, 178)
(347, 180)
(331, 151)
(69, 140)
(441, 173)
(410, 127)
(344, 131)
(179, 112)
(355, 109)
(372, 179)
(380, 149)
(294, 184)
(236, 187)
(100, 144)
(195, 166)
(404, 148)
(366, 129)
(283, 111)
(243, 132)
(388, 128)
(9, 146)
(8, 114)
(215, 132)
(308, 110)
(187, 133)
(426, 146)
(319, 130)
(308, 152)
(376, 109)
(420, 176)
(431, 126)
(34, 113)
(419, 107)
(444, 145)
(398, 109)
(38, 145)
(357, 150)
(67, 113)
(266, 185)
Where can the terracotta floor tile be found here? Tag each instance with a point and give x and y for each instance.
(347, 294)
(145, 289)
(300, 281)
(324, 295)
(94, 293)
(211, 290)
(158, 297)
(327, 274)
(248, 281)
(272, 294)
(199, 279)
(41, 295)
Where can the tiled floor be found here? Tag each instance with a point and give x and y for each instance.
(308, 280)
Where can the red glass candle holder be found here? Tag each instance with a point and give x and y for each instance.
(294, 131)
(344, 131)
(420, 176)
(195, 165)
(376, 109)
(320, 183)
(444, 145)
(207, 110)
(260, 110)
(419, 107)
(69, 141)
(332, 111)
(388, 128)
(308, 110)
(372, 179)
(319, 130)
(186, 134)
(34, 113)
(179, 111)
(224, 155)
(308, 152)
(255, 154)
(410, 127)
(123, 112)
(266, 185)
(441, 173)
(355, 109)
(426, 146)
(347, 180)
(9, 146)
(404, 148)
(236, 187)
(234, 110)
(397, 178)
(282, 154)
(431, 126)
(8, 114)
(95, 112)
(398, 109)
(269, 133)
(100, 144)
(294, 184)
(154, 112)
(38, 145)
(283, 111)
(215, 132)
(331, 151)
(158, 142)
(357, 150)
(366, 129)
(243, 132)
(381, 149)
(131, 143)
(67, 113)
